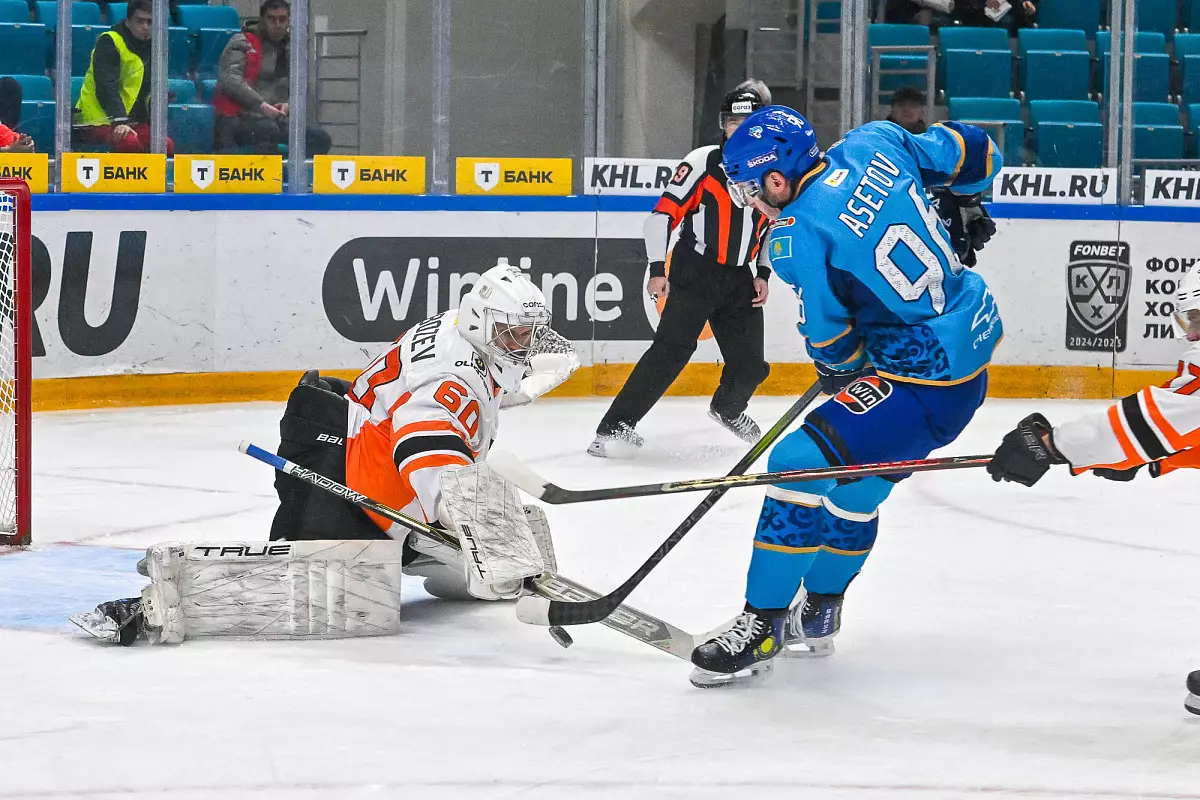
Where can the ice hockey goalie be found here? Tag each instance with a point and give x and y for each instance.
(404, 432)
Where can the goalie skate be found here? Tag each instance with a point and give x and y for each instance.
(1192, 702)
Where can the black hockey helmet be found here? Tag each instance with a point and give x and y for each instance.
(745, 98)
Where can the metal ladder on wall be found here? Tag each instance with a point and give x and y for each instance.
(795, 45)
(338, 83)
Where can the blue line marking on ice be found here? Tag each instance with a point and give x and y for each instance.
(40, 588)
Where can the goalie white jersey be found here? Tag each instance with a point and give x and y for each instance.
(1159, 423)
(427, 403)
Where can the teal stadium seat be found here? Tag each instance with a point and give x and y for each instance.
(1005, 112)
(207, 87)
(829, 16)
(22, 48)
(1192, 17)
(117, 12)
(1054, 64)
(81, 14)
(191, 127)
(181, 90)
(179, 52)
(1187, 51)
(83, 41)
(14, 11)
(900, 69)
(974, 62)
(1067, 133)
(196, 17)
(1157, 132)
(1193, 126)
(35, 87)
(1080, 14)
(1151, 68)
(1157, 15)
(209, 46)
(37, 120)
(76, 88)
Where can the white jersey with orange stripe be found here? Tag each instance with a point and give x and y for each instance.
(426, 403)
(1155, 424)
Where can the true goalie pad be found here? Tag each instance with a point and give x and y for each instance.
(272, 590)
(499, 548)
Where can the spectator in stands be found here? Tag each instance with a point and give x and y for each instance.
(917, 12)
(908, 109)
(251, 99)
(11, 96)
(114, 103)
(1020, 14)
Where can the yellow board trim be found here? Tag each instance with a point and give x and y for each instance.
(604, 380)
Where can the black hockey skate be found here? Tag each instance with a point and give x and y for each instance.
(617, 432)
(1192, 703)
(740, 426)
(118, 621)
(743, 650)
(812, 625)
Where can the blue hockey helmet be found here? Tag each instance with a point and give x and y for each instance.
(772, 139)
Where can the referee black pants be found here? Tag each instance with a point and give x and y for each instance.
(702, 290)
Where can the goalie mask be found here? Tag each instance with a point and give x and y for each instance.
(504, 318)
(1187, 304)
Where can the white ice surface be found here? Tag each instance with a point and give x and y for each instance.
(1002, 642)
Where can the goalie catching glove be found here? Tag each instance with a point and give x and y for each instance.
(554, 362)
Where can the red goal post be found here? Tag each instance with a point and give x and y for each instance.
(16, 362)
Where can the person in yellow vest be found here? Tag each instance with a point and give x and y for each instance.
(114, 104)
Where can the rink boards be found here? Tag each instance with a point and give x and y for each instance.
(141, 300)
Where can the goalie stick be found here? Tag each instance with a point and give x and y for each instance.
(625, 619)
(512, 469)
(543, 611)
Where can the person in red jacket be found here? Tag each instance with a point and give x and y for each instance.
(251, 99)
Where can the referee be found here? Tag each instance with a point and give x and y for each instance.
(719, 272)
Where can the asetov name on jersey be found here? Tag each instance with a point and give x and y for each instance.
(878, 177)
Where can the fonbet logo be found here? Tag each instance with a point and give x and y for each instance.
(202, 173)
(487, 175)
(1098, 281)
(87, 171)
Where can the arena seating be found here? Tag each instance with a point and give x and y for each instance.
(196, 38)
(1051, 81)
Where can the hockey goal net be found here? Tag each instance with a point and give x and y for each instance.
(16, 358)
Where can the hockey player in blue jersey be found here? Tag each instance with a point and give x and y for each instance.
(901, 335)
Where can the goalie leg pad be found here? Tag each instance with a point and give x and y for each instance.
(272, 590)
(498, 545)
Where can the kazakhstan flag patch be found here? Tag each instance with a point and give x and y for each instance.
(781, 247)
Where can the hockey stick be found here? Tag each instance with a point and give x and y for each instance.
(543, 611)
(629, 621)
(512, 469)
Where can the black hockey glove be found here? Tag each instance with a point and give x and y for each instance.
(833, 381)
(977, 222)
(1025, 453)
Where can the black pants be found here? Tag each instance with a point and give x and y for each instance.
(702, 290)
(312, 433)
(264, 135)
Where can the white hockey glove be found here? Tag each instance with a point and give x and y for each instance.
(547, 370)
